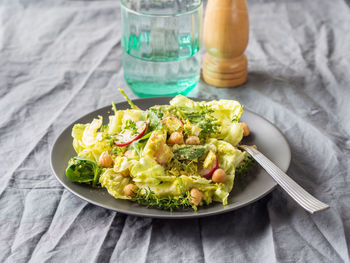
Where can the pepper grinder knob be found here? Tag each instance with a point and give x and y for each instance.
(226, 34)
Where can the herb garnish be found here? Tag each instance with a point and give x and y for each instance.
(202, 117)
(131, 125)
(235, 118)
(116, 150)
(244, 167)
(183, 167)
(150, 199)
(158, 110)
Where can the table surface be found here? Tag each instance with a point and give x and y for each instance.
(62, 59)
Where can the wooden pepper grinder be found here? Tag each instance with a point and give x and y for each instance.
(226, 33)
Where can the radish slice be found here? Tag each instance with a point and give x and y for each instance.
(206, 173)
(173, 124)
(126, 136)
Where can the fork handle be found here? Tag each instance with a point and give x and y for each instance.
(303, 198)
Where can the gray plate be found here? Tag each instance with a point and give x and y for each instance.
(265, 135)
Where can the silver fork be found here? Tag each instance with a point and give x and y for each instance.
(303, 198)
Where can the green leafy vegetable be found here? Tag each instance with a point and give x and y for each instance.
(189, 152)
(131, 125)
(150, 199)
(114, 182)
(159, 110)
(132, 105)
(116, 150)
(243, 168)
(201, 117)
(139, 144)
(183, 167)
(155, 122)
(83, 170)
(146, 136)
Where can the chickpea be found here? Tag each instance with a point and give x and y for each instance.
(130, 190)
(196, 196)
(192, 140)
(219, 176)
(105, 160)
(246, 130)
(176, 138)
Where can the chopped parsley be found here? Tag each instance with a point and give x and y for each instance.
(131, 125)
(235, 118)
(202, 117)
(116, 150)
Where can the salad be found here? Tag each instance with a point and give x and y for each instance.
(181, 155)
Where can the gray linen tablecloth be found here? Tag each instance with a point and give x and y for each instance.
(62, 59)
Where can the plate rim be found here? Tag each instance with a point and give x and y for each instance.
(171, 216)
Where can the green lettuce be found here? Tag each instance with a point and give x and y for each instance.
(182, 101)
(90, 132)
(115, 123)
(77, 134)
(147, 171)
(114, 182)
(88, 142)
(226, 114)
(229, 156)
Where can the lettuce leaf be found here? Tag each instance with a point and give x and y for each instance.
(223, 189)
(207, 189)
(90, 132)
(225, 110)
(231, 132)
(77, 134)
(121, 165)
(114, 182)
(229, 156)
(226, 114)
(133, 115)
(148, 172)
(182, 101)
(115, 123)
(84, 135)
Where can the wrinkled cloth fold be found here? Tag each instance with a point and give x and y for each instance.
(62, 59)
